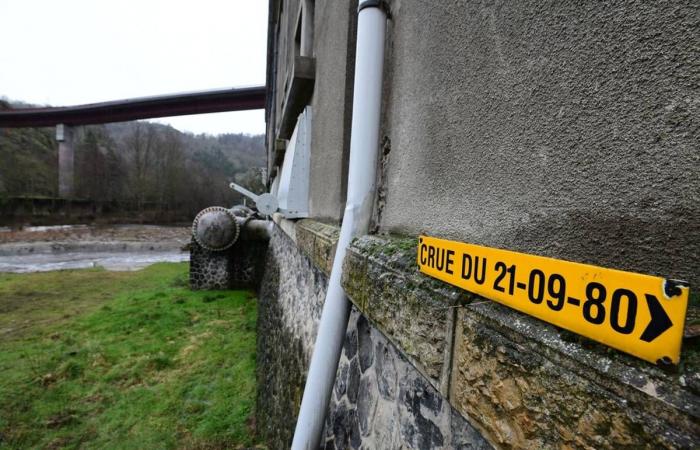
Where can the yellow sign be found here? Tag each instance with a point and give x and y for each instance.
(639, 314)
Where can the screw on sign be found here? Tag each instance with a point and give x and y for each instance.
(639, 314)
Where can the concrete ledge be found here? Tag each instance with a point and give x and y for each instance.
(286, 225)
(522, 382)
(317, 240)
(299, 88)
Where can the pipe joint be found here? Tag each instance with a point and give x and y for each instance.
(381, 4)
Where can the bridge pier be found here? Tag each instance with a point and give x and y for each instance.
(66, 157)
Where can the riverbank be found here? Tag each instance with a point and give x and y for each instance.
(114, 247)
(88, 233)
(98, 359)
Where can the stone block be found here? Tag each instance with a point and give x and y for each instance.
(318, 241)
(528, 385)
(414, 312)
(238, 267)
(384, 402)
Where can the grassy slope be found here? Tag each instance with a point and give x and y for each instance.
(124, 360)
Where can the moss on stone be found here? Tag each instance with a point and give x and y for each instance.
(391, 245)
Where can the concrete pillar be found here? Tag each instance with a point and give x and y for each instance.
(307, 29)
(64, 136)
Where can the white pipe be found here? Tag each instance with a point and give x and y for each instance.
(256, 230)
(364, 148)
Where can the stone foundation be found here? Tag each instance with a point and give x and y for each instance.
(520, 381)
(291, 298)
(239, 267)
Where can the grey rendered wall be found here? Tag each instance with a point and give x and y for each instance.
(285, 52)
(331, 102)
(335, 26)
(569, 129)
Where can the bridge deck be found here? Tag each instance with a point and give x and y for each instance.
(221, 100)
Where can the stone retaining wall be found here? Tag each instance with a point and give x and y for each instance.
(291, 298)
(239, 267)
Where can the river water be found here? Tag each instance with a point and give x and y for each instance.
(40, 249)
(82, 260)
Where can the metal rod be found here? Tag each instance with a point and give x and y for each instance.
(240, 189)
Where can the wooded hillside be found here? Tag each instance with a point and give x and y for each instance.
(135, 162)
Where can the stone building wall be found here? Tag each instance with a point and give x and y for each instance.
(425, 365)
(290, 301)
(325, 83)
(568, 129)
(380, 399)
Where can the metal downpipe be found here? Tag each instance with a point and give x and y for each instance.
(364, 149)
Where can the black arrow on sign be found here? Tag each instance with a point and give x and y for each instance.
(659, 322)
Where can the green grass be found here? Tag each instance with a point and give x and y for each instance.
(123, 360)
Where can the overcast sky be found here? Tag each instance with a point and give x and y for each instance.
(67, 52)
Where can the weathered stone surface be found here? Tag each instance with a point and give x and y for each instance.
(291, 297)
(366, 355)
(380, 400)
(522, 381)
(464, 435)
(240, 266)
(417, 314)
(318, 241)
(395, 406)
(527, 387)
(353, 380)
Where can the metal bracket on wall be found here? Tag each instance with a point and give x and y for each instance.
(290, 190)
(293, 190)
(266, 203)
